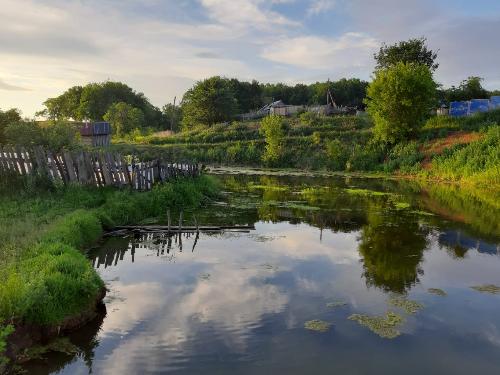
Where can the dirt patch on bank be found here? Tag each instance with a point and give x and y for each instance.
(437, 146)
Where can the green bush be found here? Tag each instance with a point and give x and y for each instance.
(54, 135)
(273, 129)
(405, 157)
(337, 154)
(365, 157)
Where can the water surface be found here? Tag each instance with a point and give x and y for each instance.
(323, 249)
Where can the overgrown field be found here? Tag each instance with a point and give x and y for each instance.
(45, 275)
(466, 149)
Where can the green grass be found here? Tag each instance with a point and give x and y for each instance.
(45, 275)
(339, 144)
(478, 162)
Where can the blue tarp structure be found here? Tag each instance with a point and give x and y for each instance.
(479, 105)
(459, 109)
(495, 102)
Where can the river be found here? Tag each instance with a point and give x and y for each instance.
(340, 275)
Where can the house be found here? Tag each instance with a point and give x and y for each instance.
(96, 134)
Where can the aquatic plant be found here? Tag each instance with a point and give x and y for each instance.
(401, 205)
(365, 192)
(336, 304)
(384, 326)
(409, 306)
(437, 291)
(487, 288)
(317, 325)
(59, 345)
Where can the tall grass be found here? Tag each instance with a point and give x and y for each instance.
(478, 162)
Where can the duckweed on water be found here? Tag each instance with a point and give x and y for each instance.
(437, 292)
(409, 306)
(336, 304)
(317, 325)
(401, 205)
(365, 192)
(487, 288)
(384, 326)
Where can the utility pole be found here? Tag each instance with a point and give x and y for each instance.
(172, 119)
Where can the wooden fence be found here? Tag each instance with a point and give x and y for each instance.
(92, 168)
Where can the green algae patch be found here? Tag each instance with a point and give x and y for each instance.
(422, 213)
(384, 326)
(437, 292)
(365, 192)
(487, 288)
(59, 345)
(268, 187)
(336, 304)
(409, 306)
(401, 205)
(317, 325)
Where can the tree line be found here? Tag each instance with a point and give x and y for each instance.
(219, 99)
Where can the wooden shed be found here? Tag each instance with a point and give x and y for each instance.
(96, 134)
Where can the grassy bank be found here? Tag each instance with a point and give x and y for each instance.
(464, 150)
(45, 275)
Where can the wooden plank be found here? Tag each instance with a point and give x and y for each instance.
(82, 170)
(20, 160)
(125, 171)
(108, 179)
(70, 167)
(52, 165)
(61, 167)
(28, 160)
(3, 163)
(90, 169)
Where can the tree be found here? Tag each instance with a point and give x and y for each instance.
(273, 129)
(399, 100)
(247, 94)
(410, 51)
(210, 101)
(172, 116)
(8, 117)
(124, 118)
(93, 100)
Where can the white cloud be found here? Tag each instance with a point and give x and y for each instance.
(245, 13)
(313, 52)
(320, 6)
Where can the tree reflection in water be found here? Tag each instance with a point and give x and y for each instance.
(392, 248)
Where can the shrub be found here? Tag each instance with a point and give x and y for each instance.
(273, 129)
(309, 118)
(405, 157)
(337, 155)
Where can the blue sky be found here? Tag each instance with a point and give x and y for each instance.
(161, 47)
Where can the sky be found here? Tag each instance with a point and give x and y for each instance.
(162, 47)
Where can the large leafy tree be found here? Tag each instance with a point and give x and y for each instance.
(210, 101)
(247, 94)
(399, 100)
(8, 117)
(124, 118)
(410, 51)
(92, 101)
